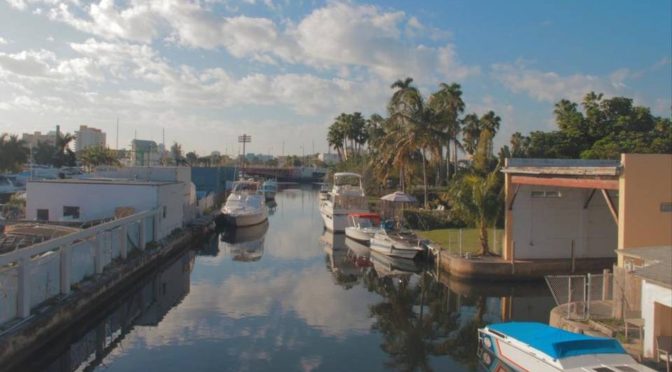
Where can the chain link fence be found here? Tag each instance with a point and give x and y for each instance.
(582, 297)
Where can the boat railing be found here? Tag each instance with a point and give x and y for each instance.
(350, 202)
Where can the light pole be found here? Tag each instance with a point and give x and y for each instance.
(244, 139)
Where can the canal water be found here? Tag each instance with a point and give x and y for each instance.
(288, 296)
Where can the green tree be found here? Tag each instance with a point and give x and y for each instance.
(176, 153)
(191, 158)
(448, 105)
(13, 153)
(64, 156)
(477, 200)
(95, 156)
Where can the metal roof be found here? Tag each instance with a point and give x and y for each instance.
(657, 261)
(569, 167)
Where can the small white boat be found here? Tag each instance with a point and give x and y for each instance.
(362, 226)
(269, 188)
(402, 244)
(245, 206)
(324, 191)
(522, 346)
(347, 196)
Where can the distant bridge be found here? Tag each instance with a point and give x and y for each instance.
(287, 174)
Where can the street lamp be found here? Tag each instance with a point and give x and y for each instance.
(244, 139)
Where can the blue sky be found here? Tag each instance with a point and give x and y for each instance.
(282, 70)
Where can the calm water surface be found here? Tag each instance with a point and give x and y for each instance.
(287, 296)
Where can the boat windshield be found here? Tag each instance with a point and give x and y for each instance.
(245, 187)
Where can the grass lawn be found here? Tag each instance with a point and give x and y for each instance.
(449, 239)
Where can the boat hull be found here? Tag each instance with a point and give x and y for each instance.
(336, 221)
(391, 250)
(358, 235)
(242, 220)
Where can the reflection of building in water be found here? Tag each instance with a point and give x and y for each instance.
(210, 247)
(245, 244)
(148, 302)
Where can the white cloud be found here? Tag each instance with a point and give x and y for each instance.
(3, 41)
(550, 86)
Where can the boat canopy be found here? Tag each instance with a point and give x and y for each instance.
(555, 342)
(371, 216)
(347, 174)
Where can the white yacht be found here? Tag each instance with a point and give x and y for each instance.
(362, 226)
(245, 206)
(523, 346)
(346, 196)
(401, 244)
(269, 188)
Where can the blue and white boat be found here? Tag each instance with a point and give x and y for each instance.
(269, 188)
(537, 347)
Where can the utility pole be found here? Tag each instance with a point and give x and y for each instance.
(244, 139)
(117, 146)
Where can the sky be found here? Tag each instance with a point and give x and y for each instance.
(207, 71)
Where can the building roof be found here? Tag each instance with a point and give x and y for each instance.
(555, 342)
(106, 181)
(657, 263)
(26, 234)
(563, 167)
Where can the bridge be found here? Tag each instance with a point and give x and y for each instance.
(287, 174)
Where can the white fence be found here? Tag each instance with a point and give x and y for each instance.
(580, 294)
(35, 274)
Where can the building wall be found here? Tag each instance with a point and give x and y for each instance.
(98, 201)
(544, 227)
(645, 183)
(89, 137)
(653, 296)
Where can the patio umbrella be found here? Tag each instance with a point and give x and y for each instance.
(399, 197)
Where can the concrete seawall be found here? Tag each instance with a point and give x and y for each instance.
(39, 329)
(496, 268)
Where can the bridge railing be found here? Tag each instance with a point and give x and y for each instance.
(41, 272)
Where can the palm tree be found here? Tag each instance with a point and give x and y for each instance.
(336, 137)
(477, 199)
(448, 104)
(92, 157)
(13, 153)
(64, 155)
(471, 130)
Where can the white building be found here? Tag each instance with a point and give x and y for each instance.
(328, 157)
(94, 199)
(89, 137)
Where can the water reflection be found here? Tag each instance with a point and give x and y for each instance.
(145, 304)
(316, 301)
(244, 244)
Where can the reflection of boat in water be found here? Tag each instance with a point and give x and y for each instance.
(245, 244)
(272, 205)
(391, 266)
(340, 263)
(269, 188)
(524, 346)
(358, 253)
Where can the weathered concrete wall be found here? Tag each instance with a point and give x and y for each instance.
(653, 294)
(19, 342)
(497, 269)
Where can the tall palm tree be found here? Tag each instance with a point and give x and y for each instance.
(64, 155)
(13, 153)
(336, 138)
(471, 131)
(448, 104)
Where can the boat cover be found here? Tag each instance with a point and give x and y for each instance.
(555, 342)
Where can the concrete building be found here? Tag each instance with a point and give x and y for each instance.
(95, 199)
(652, 267)
(145, 153)
(596, 206)
(32, 139)
(328, 157)
(89, 137)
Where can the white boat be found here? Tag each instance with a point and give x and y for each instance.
(522, 346)
(245, 206)
(324, 191)
(346, 196)
(269, 188)
(402, 244)
(362, 226)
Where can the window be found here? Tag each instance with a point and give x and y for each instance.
(546, 194)
(43, 215)
(165, 212)
(71, 213)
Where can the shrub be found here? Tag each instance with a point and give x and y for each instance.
(421, 219)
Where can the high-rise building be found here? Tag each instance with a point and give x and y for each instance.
(32, 139)
(89, 137)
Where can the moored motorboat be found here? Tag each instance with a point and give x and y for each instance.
(523, 346)
(402, 244)
(347, 196)
(269, 188)
(245, 206)
(362, 226)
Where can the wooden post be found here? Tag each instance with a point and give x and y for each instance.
(569, 296)
(513, 257)
(98, 253)
(571, 253)
(460, 242)
(605, 284)
(65, 269)
(123, 242)
(23, 293)
(143, 233)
